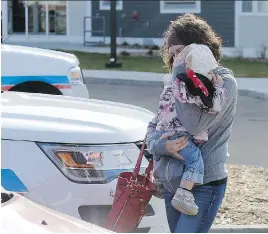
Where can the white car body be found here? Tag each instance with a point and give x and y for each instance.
(21, 65)
(29, 120)
(20, 215)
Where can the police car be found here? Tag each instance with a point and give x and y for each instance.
(34, 70)
(21, 215)
(66, 153)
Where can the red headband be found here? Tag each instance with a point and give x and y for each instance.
(197, 83)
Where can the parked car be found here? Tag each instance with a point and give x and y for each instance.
(68, 153)
(20, 215)
(34, 70)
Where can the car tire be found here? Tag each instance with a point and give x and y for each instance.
(36, 87)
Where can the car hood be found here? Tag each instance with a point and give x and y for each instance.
(47, 118)
(20, 215)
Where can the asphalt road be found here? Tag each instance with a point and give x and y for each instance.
(250, 131)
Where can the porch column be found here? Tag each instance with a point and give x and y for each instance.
(4, 19)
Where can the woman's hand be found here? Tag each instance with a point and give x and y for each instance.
(217, 80)
(174, 146)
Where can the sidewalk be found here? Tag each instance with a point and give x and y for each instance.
(263, 228)
(252, 87)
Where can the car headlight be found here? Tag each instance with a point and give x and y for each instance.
(76, 76)
(93, 164)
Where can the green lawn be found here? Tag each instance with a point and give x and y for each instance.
(240, 67)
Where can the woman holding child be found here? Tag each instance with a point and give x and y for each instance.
(189, 135)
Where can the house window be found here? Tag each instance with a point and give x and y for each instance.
(106, 5)
(37, 17)
(16, 16)
(180, 6)
(247, 6)
(255, 7)
(57, 17)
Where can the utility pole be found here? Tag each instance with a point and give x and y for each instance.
(113, 29)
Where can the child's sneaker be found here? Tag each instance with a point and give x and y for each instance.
(183, 201)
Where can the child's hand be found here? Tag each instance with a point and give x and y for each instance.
(167, 135)
(217, 80)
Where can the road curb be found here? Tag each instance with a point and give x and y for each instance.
(123, 76)
(159, 81)
(253, 93)
(239, 229)
(119, 81)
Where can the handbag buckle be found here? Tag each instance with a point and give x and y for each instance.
(112, 193)
(134, 193)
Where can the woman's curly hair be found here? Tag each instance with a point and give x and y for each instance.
(189, 29)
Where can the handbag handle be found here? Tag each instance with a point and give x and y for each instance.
(138, 164)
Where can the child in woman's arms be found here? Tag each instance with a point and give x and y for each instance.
(192, 81)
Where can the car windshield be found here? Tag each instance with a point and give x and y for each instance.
(6, 197)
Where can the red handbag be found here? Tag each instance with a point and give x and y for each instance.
(133, 193)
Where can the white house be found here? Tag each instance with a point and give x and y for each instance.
(44, 21)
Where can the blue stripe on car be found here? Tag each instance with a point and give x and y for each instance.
(11, 182)
(14, 80)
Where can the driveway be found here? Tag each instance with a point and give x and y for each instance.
(247, 143)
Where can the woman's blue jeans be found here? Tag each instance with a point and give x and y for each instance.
(208, 198)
